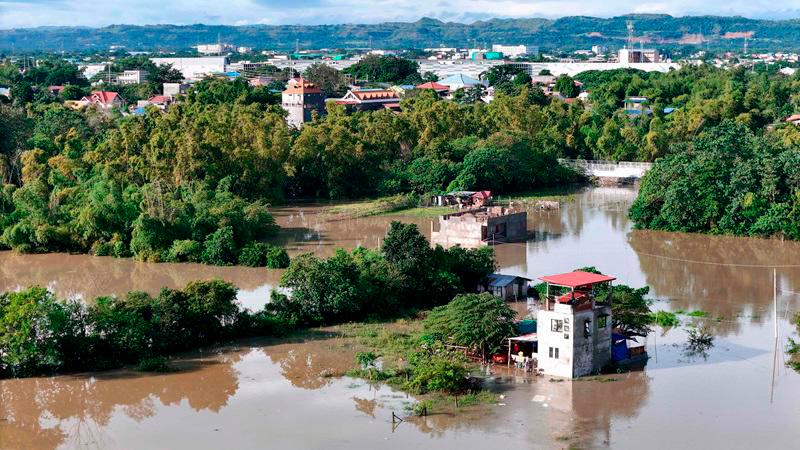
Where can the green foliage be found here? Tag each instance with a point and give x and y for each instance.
(665, 319)
(478, 321)
(385, 69)
(727, 181)
(406, 274)
(42, 334)
(565, 86)
(154, 364)
(436, 369)
(630, 310)
(219, 248)
(261, 254)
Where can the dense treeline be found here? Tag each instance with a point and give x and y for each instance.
(407, 273)
(42, 334)
(194, 183)
(726, 181)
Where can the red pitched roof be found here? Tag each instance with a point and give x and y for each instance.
(104, 97)
(483, 194)
(383, 94)
(159, 99)
(433, 85)
(302, 86)
(576, 279)
(793, 118)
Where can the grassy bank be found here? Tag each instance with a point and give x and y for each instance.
(373, 207)
(390, 349)
(564, 193)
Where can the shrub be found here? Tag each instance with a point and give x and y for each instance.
(186, 250)
(154, 364)
(261, 254)
(437, 371)
(278, 258)
(478, 321)
(220, 248)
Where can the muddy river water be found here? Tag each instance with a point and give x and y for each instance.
(264, 394)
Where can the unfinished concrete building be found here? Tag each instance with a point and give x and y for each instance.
(481, 226)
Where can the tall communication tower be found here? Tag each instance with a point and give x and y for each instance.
(629, 43)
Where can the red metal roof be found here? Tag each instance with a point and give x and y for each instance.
(433, 85)
(577, 278)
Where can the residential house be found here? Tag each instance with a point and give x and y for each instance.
(104, 100)
(132, 77)
(439, 88)
(300, 99)
(172, 90)
(573, 325)
(507, 287)
(461, 81)
(793, 119)
(55, 90)
(370, 99)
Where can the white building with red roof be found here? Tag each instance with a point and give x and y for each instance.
(104, 100)
(300, 99)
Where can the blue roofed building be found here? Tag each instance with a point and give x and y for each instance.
(459, 81)
(507, 287)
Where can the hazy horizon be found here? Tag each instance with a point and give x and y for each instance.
(99, 13)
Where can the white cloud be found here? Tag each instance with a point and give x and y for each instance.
(28, 13)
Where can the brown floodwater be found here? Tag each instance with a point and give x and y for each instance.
(269, 394)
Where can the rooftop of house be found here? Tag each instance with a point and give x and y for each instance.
(374, 94)
(500, 280)
(433, 85)
(104, 97)
(302, 86)
(460, 79)
(576, 279)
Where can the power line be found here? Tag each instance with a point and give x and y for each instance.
(713, 263)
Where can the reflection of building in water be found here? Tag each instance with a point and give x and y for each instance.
(582, 413)
(476, 227)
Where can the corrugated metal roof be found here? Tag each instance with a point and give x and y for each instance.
(500, 280)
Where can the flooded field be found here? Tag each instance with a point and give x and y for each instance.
(264, 394)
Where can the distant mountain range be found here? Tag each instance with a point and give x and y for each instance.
(566, 33)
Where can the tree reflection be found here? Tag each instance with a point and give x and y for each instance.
(50, 411)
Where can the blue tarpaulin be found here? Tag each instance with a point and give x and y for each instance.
(619, 347)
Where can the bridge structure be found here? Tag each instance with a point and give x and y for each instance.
(618, 171)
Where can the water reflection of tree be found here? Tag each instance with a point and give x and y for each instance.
(313, 363)
(722, 291)
(50, 411)
(90, 276)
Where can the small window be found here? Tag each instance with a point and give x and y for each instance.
(566, 335)
(602, 322)
(551, 352)
(587, 325)
(556, 325)
(556, 352)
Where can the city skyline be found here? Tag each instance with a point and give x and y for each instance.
(96, 13)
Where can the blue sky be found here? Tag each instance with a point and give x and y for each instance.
(31, 13)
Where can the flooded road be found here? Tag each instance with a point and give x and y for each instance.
(264, 394)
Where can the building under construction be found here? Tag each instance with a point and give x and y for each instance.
(480, 226)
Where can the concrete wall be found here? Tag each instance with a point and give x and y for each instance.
(516, 226)
(579, 354)
(467, 230)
